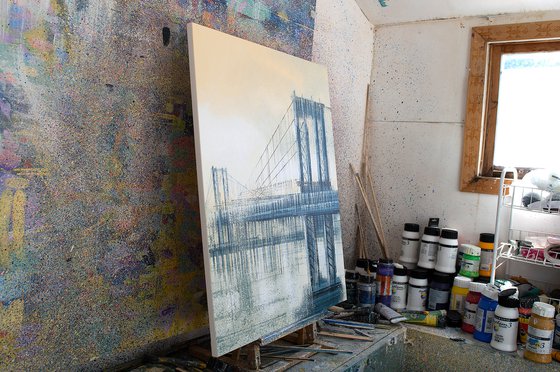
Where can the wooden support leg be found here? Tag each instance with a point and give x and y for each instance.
(253, 356)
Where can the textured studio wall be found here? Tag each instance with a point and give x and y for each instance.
(100, 254)
(416, 118)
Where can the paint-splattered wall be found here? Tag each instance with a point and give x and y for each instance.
(100, 254)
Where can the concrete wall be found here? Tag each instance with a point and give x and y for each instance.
(344, 43)
(416, 117)
(100, 254)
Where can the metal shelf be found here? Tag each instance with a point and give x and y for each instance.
(532, 256)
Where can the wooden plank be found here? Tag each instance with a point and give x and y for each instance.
(345, 335)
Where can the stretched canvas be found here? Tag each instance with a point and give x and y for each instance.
(267, 188)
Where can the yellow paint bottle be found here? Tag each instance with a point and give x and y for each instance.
(486, 245)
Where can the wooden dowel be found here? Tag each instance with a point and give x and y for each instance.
(345, 335)
(366, 201)
(375, 206)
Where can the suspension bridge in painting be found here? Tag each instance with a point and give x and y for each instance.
(288, 199)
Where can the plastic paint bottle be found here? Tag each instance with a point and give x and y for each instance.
(485, 313)
(428, 248)
(399, 288)
(486, 245)
(366, 291)
(362, 266)
(447, 251)
(540, 334)
(506, 321)
(440, 289)
(459, 294)
(470, 262)
(385, 268)
(557, 333)
(351, 278)
(525, 307)
(471, 306)
(417, 290)
(410, 245)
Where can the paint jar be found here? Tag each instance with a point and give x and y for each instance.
(440, 289)
(362, 266)
(399, 288)
(417, 290)
(525, 306)
(540, 334)
(428, 248)
(459, 293)
(447, 251)
(506, 321)
(351, 278)
(471, 306)
(486, 245)
(556, 344)
(410, 245)
(372, 268)
(385, 268)
(485, 313)
(470, 262)
(366, 291)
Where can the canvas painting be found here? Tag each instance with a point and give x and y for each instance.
(267, 188)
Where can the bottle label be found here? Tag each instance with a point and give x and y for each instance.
(486, 260)
(470, 315)
(539, 341)
(458, 303)
(398, 296)
(417, 297)
(428, 250)
(438, 299)
(366, 294)
(484, 320)
(505, 330)
(470, 266)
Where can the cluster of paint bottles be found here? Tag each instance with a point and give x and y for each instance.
(371, 282)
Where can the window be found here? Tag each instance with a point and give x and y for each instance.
(513, 114)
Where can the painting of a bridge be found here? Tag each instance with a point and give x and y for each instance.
(267, 188)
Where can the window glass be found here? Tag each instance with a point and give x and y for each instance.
(528, 118)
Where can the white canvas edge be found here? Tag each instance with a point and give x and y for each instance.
(199, 171)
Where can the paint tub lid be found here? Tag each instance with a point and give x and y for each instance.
(400, 270)
(367, 279)
(429, 230)
(385, 261)
(412, 227)
(419, 274)
(362, 263)
(449, 233)
(544, 310)
(351, 275)
(476, 287)
(461, 281)
(470, 249)
(506, 299)
(491, 291)
(442, 277)
(487, 238)
(453, 319)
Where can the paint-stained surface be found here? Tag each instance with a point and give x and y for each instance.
(268, 188)
(100, 247)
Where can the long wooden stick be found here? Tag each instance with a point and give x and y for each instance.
(362, 253)
(365, 141)
(375, 205)
(366, 201)
(345, 335)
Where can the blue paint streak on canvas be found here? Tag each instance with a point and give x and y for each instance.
(382, 3)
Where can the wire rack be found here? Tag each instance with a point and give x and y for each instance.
(534, 256)
(526, 197)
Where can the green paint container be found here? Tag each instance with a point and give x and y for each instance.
(470, 264)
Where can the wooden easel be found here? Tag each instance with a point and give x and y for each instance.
(248, 357)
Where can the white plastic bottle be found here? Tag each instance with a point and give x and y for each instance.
(506, 322)
(417, 290)
(399, 288)
(448, 246)
(428, 248)
(410, 245)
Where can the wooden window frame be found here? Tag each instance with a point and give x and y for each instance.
(487, 45)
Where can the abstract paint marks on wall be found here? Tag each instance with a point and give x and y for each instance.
(267, 187)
